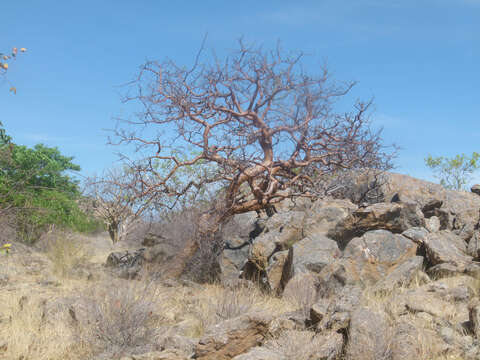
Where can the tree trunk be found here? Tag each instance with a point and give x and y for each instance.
(113, 231)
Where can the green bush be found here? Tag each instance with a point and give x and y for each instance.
(36, 187)
(454, 173)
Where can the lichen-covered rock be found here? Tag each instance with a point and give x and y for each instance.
(474, 245)
(394, 217)
(369, 335)
(280, 270)
(402, 274)
(372, 255)
(325, 215)
(313, 253)
(446, 247)
(233, 337)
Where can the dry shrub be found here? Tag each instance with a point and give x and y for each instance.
(212, 303)
(293, 344)
(120, 315)
(66, 252)
(233, 302)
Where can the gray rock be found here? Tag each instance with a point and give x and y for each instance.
(369, 335)
(372, 255)
(313, 253)
(446, 247)
(301, 290)
(474, 245)
(306, 345)
(280, 270)
(337, 316)
(260, 353)
(416, 234)
(325, 215)
(403, 274)
(387, 216)
(455, 204)
(238, 234)
(319, 310)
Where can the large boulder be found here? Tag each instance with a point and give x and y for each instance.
(446, 247)
(313, 253)
(325, 215)
(369, 335)
(372, 256)
(387, 216)
(400, 275)
(238, 234)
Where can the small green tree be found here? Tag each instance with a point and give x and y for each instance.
(454, 173)
(36, 190)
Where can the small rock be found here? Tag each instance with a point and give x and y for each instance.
(416, 234)
(432, 224)
(475, 189)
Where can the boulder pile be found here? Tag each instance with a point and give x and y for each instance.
(390, 279)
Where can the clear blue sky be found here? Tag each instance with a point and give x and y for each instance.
(419, 59)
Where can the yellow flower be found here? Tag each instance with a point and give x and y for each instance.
(23, 49)
(5, 66)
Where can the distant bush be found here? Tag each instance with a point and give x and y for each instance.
(454, 173)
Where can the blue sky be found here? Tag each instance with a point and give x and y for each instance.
(418, 59)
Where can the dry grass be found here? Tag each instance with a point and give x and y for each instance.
(293, 344)
(66, 252)
(29, 334)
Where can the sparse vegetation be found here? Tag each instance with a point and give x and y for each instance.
(454, 173)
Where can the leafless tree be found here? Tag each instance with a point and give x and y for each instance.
(115, 202)
(268, 128)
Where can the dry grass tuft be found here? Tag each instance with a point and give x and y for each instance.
(120, 315)
(29, 334)
(66, 252)
(293, 344)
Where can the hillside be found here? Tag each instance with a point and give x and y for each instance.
(394, 277)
